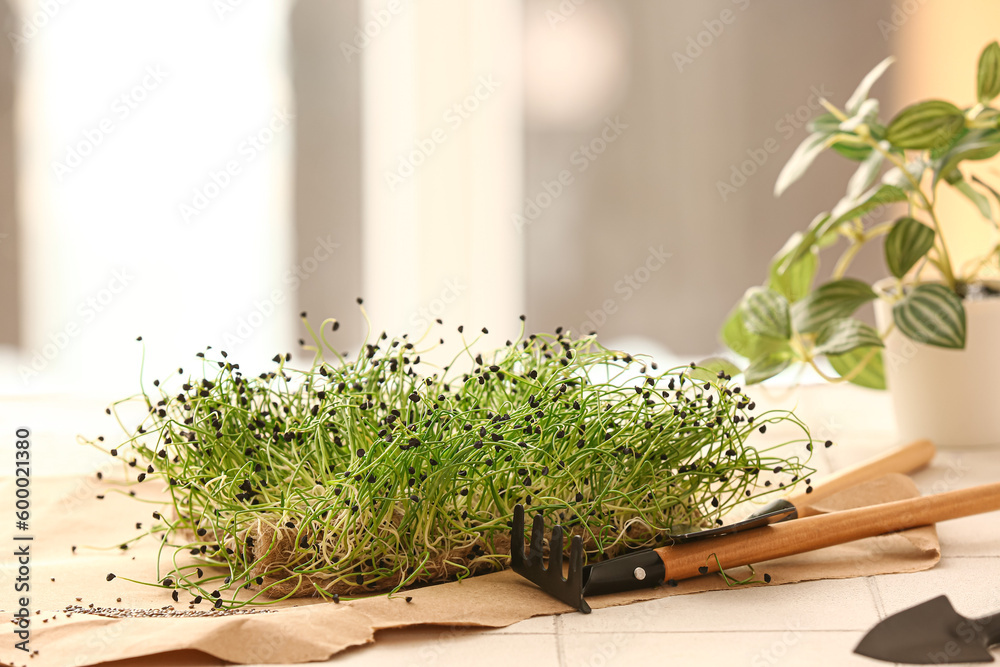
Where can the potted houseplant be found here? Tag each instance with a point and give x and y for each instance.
(936, 343)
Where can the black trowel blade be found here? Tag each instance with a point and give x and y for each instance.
(930, 633)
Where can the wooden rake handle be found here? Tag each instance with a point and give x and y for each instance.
(903, 459)
(683, 561)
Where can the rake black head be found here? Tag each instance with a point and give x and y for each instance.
(549, 579)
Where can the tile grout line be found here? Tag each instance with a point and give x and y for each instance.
(558, 635)
(876, 596)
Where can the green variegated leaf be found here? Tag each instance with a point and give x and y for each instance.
(767, 366)
(907, 242)
(865, 175)
(931, 314)
(938, 151)
(709, 369)
(800, 161)
(996, 195)
(744, 343)
(882, 195)
(825, 123)
(866, 113)
(852, 151)
(978, 144)
(860, 94)
(818, 228)
(844, 335)
(871, 376)
(765, 313)
(794, 278)
(925, 125)
(988, 79)
(977, 198)
(897, 178)
(834, 300)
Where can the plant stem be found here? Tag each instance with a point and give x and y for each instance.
(946, 268)
(845, 260)
(853, 373)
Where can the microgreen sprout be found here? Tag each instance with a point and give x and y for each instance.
(362, 475)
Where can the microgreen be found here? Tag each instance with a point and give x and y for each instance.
(371, 474)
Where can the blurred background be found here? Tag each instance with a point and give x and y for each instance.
(200, 172)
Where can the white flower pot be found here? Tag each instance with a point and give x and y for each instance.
(950, 397)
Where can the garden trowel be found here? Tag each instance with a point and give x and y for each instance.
(932, 633)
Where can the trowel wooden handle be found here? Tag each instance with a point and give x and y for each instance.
(904, 459)
(683, 561)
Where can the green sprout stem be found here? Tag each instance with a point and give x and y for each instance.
(363, 475)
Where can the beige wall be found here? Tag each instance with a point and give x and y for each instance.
(327, 178)
(657, 185)
(9, 241)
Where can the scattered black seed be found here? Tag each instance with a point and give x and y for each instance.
(109, 577)
(767, 578)
(703, 569)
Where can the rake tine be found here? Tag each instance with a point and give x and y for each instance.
(554, 569)
(641, 569)
(517, 539)
(537, 540)
(533, 568)
(574, 578)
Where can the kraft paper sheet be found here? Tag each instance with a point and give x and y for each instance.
(66, 512)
